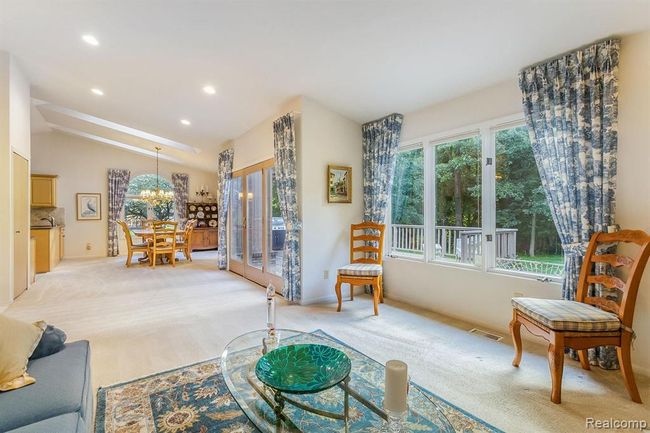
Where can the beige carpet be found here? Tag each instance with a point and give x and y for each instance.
(141, 321)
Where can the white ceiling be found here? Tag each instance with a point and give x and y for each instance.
(361, 58)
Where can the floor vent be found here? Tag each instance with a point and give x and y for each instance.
(485, 334)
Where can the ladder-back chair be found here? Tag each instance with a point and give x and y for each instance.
(163, 241)
(589, 321)
(131, 247)
(365, 268)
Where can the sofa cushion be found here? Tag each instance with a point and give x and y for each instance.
(361, 270)
(561, 315)
(52, 340)
(17, 342)
(62, 386)
(69, 422)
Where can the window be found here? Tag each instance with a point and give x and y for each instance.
(136, 211)
(407, 206)
(277, 230)
(525, 239)
(458, 200)
(474, 199)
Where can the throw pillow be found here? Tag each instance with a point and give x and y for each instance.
(52, 341)
(17, 342)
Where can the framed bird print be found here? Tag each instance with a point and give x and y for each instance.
(89, 206)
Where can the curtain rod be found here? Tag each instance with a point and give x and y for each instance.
(566, 53)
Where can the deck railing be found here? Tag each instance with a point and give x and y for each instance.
(455, 242)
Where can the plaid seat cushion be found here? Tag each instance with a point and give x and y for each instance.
(361, 270)
(561, 315)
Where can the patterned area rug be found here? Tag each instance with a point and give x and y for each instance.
(195, 399)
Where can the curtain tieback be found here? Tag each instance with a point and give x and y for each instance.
(290, 227)
(575, 249)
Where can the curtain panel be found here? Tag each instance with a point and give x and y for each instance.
(284, 145)
(380, 140)
(571, 109)
(224, 180)
(118, 183)
(181, 183)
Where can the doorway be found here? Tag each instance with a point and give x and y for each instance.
(21, 220)
(256, 225)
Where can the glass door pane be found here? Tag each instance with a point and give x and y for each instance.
(254, 220)
(237, 220)
(277, 230)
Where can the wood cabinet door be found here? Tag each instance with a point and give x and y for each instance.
(213, 238)
(43, 191)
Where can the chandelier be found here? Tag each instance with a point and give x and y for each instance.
(157, 196)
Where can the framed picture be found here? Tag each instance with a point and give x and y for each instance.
(89, 206)
(339, 184)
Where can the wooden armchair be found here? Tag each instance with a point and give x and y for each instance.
(367, 269)
(588, 321)
(185, 244)
(163, 241)
(131, 247)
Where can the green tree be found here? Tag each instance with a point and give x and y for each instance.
(136, 211)
(408, 188)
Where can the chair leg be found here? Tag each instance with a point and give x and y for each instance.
(154, 257)
(338, 293)
(128, 258)
(515, 333)
(381, 289)
(584, 359)
(556, 365)
(172, 259)
(188, 254)
(375, 295)
(625, 360)
(351, 292)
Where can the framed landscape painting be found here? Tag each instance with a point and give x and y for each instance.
(339, 184)
(89, 206)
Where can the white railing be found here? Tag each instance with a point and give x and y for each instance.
(454, 242)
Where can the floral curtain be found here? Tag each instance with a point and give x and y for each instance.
(571, 108)
(284, 143)
(224, 178)
(181, 183)
(380, 143)
(118, 183)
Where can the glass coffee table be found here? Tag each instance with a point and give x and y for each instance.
(354, 405)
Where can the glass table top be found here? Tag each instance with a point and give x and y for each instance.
(324, 411)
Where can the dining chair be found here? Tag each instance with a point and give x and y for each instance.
(163, 241)
(365, 266)
(131, 247)
(590, 320)
(185, 245)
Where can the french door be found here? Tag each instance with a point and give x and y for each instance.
(256, 227)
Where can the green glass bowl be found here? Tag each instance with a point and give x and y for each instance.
(303, 368)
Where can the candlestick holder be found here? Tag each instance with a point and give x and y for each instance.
(272, 339)
(395, 422)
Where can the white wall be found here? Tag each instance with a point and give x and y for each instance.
(82, 166)
(327, 138)
(14, 137)
(485, 298)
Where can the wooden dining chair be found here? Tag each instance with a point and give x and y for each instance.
(589, 321)
(163, 241)
(185, 244)
(365, 268)
(132, 247)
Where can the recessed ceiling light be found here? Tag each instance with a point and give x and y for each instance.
(210, 90)
(90, 40)
(186, 122)
(96, 91)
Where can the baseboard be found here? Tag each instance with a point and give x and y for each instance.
(3, 308)
(328, 299)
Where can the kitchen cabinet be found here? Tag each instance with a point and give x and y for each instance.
(205, 238)
(43, 190)
(48, 248)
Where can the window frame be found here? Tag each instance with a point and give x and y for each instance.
(150, 213)
(486, 131)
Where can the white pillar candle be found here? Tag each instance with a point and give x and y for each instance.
(396, 386)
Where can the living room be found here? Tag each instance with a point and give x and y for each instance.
(198, 170)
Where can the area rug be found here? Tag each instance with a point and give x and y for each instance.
(195, 399)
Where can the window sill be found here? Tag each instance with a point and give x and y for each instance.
(474, 268)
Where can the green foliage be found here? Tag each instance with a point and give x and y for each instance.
(408, 188)
(136, 211)
(147, 181)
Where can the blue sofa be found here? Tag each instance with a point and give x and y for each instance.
(60, 401)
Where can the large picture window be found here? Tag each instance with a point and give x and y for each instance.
(474, 199)
(137, 211)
